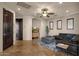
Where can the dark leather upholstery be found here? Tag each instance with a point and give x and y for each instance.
(67, 38)
(71, 39)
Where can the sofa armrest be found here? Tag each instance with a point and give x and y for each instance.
(75, 41)
(58, 38)
(72, 49)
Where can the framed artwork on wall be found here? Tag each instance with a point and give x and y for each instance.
(70, 23)
(59, 24)
(51, 25)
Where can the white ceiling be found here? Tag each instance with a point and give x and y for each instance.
(59, 9)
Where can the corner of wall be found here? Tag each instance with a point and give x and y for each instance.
(27, 28)
(1, 29)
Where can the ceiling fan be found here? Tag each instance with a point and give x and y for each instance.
(45, 13)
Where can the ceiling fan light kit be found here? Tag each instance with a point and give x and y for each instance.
(45, 12)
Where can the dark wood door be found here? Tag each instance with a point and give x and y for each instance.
(7, 29)
(19, 31)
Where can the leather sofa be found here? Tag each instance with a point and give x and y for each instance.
(67, 38)
(71, 39)
(47, 40)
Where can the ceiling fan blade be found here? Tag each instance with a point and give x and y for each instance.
(51, 13)
(48, 16)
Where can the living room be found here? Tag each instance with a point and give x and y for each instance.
(52, 25)
(57, 27)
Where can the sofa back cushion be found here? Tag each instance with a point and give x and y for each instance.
(75, 38)
(62, 35)
(67, 36)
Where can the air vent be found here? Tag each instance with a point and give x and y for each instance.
(23, 4)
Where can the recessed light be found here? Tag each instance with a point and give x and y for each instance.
(67, 11)
(19, 9)
(60, 2)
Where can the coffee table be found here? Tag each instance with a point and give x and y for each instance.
(62, 46)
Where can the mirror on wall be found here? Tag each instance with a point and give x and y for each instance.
(70, 23)
(51, 25)
(59, 24)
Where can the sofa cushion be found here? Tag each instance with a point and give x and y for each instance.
(43, 40)
(68, 36)
(47, 40)
(75, 38)
(62, 35)
(72, 49)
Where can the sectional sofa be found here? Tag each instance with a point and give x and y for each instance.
(70, 39)
(65, 38)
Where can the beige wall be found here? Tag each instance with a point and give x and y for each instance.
(1, 29)
(36, 23)
(43, 28)
(64, 25)
(27, 28)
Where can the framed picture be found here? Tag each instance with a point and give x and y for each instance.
(59, 24)
(70, 23)
(51, 25)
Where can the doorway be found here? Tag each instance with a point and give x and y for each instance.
(19, 29)
(36, 29)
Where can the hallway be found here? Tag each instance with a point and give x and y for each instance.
(28, 48)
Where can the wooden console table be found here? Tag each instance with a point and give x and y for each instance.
(35, 35)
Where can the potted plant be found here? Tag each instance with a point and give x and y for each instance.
(47, 30)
